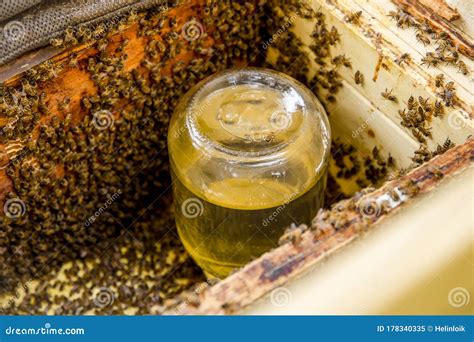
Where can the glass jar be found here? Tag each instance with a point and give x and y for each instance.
(248, 151)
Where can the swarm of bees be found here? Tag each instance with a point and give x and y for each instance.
(423, 155)
(365, 170)
(323, 38)
(416, 115)
(445, 52)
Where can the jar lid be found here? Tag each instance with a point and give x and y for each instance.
(253, 113)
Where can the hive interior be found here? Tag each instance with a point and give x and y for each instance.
(103, 150)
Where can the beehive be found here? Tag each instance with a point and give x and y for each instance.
(105, 153)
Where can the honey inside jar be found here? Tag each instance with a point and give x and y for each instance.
(248, 152)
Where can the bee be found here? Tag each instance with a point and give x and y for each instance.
(57, 42)
(73, 63)
(390, 161)
(293, 234)
(421, 114)
(439, 80)
(411, 103)
(430, 59)
(359, 78)
(448, 94)
(448, 144)
(333, 36)
(64, 104)
(402, 113)
(423, 102)
(424, 152)
(423, 39)
(426, 131)
(449, 59)
(84, 33)
(69, 37)
(417, 159)
(342, 60)
(448, 97)
(443, 36)
(404, 19)
(86, 103)
(393, 15)
(449, 86)
(353, 17)
(405, 57)
(436, 172)
(425, 27)
(438, 109)
(418, 135)
(98, 31)
(462, 67)
(389, 96)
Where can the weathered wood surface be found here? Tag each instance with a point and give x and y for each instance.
(439, 21)
(441, 8)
